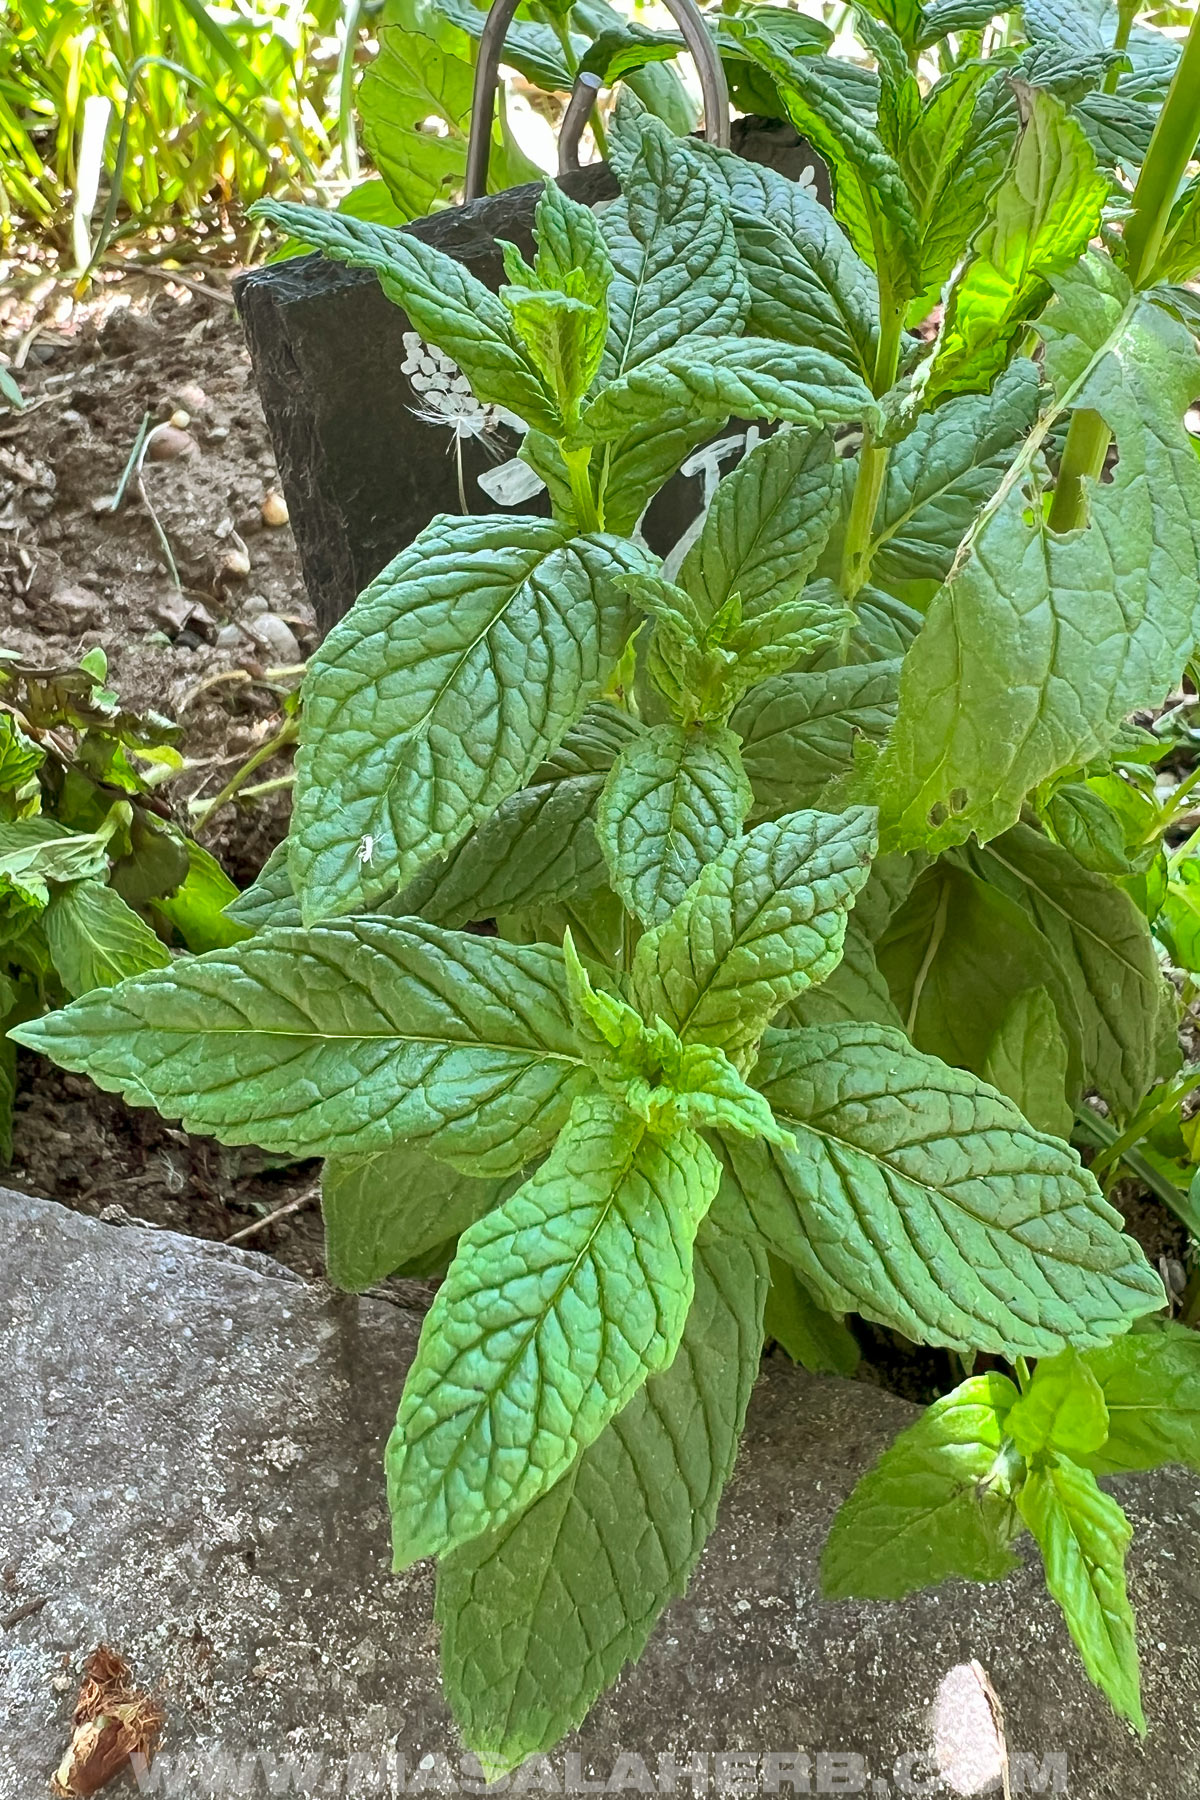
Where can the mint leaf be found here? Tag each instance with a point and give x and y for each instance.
(674, 799)
(345, 1038)
(922, 1199)
(1027, 1060)
(1063, 1410)
(539, 845)
(1151, 1386)
(448, 306)
(198, 909)
(391, 1209)
(38, 851)
(557, 1307)
(804, 1331)
(269, 900)
(937, 1504)
(539, 1617)
(455, 674)
(95, 940)
(766, 527)
(1041, 645)
(764, 922)
(1083, 1536)
(798, 730)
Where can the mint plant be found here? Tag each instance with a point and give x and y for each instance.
(814, 886)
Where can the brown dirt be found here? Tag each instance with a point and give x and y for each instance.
(72, 577)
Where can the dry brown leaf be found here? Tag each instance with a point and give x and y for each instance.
(114, 1721)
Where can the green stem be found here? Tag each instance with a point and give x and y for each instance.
(578, 464)
(872, 458)
(288, 733)
(1170, 151)
(1023, 1376)
(1126, 13)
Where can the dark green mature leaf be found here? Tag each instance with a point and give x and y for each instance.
(557, 1307)
(798, 730)
(448, 306)
(540, 845)
(389, 1210)
(1108, 984)
(715, 377)
(646, 454)
(937, 1503)
(675, 798)
(345, 1038)
(197, 910)
(945, 16)
(1118, 128)
(677, 273)
(1040, 645)
(1027, 1060)
(764, 922)
(766, 526)
(1083, 1536)
(940, 475)
(812, 1337)
(540, 1617)
(1151, 1386)
(1075, 24)
(95, 940)
(807, 283)
(922, 1199)
(271, 899)
(1041, 218)
(455, 674)
(532, 49)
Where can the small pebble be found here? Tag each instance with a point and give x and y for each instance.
(274, 508)
(167, 442)
(277, 638)
(235, 564)
(254, 606)
(230, 637)
(191, 395)
(181, 418)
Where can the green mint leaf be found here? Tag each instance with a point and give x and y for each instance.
(946, 16)
(812, 1337)
(798, 730)
(1041, 219)
(922, 1199)
(95, 940)
(941, 474)
(714, 377)
(646, 454)
(539, 1617)
(1151, 1386)
(1063, 1410)
(1041, 645)
(20, 757)
(270, 900)
(674, 799)
(1083, 1536)
(345, 1038)
(564, 339)
(39, 851)
(534, 50)
(455, 674)
(389, 1210)
(198, 909)
(937, 1503)
(1027, 1060)
(538, 846)
(766, 527)
(899, 94)
(764, 922)
(1179, 258)
(678, 280)
(953, 158)
(557, 1307)
(807, 283)
(571, 254)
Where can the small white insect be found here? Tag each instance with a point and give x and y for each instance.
(366, 848)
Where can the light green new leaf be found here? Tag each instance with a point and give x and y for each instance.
(939, 477)
(343, 1039)
(1040, 645)
(20, 757)
(764, 922)
(1027, 1060)
(1151, 1386)
(392, 1209)
(540, 1617)
(766, 526)
(1062, 1410)
(38, 851)
(921, 1198)
(798, 730)
(540, 845)
(678, 280)
(557, 1307)
(95, 940)
(674, 799)
(199, 910)
(937, 1504)
(456, 673)
(1083, 1536)
(1041, 218)
(807, 283)
(715, 377)
(448, 306)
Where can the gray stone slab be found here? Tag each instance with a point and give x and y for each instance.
(190, 1471)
